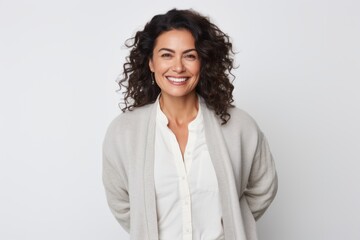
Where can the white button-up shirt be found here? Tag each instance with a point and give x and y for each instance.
(187, 193)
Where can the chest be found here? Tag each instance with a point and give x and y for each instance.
(186, 187)
(181, 134)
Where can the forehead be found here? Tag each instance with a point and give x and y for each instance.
(175, 39)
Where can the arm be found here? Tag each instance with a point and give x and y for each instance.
(262, 184)
(115, 183)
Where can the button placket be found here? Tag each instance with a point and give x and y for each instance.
(184, 190)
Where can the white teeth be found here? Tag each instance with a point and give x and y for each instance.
(175, 79)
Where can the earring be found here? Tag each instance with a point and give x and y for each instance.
(152, 78)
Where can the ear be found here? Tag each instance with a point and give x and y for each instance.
(151, 65)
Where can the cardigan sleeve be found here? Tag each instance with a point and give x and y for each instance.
(115, 182)
(262, 183)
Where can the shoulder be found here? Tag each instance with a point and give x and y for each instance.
(242, 127)
(131, 118)
(243, 132)
(128, 124)
(240, 119)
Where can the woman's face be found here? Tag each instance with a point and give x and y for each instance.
(175, 63)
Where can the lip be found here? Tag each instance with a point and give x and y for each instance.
(178, 80)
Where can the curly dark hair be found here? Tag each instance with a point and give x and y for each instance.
(214, 49)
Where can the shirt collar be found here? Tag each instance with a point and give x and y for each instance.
(160, 116)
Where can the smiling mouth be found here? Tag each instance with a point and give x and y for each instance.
(177, 80)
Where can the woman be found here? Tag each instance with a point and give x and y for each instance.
(182, 162)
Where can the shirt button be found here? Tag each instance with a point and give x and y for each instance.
(182, 178)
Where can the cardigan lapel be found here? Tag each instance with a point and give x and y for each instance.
(222, 165)
(149, 183)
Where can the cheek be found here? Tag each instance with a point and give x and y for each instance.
(160, 66)
(194, 68)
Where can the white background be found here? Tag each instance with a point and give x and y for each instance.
(298, 76)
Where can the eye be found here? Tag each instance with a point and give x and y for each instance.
(166, 55)
(191, 56)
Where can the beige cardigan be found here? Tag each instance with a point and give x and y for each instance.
(240, 154)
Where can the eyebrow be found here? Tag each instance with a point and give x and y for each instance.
(170, 50)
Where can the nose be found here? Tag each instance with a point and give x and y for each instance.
(178, 66)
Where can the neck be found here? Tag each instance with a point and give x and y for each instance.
(179, 110)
